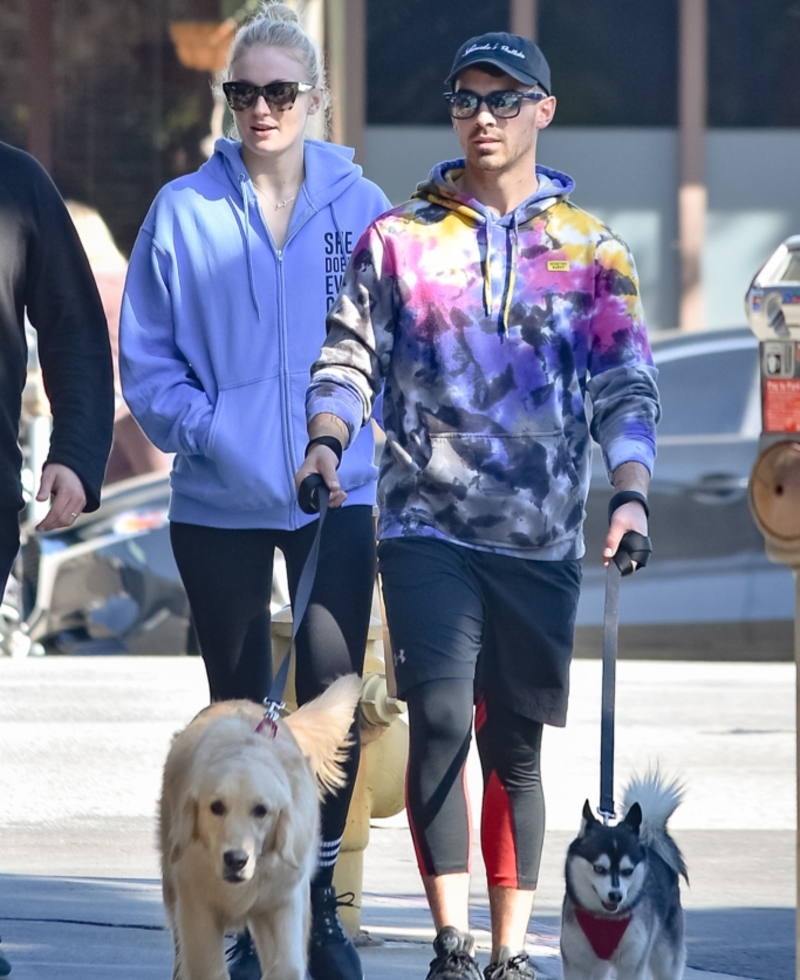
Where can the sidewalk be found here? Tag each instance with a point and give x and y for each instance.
(81, 747)
(109, 928)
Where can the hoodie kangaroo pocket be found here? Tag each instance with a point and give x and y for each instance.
(507, 491)
(247, 446)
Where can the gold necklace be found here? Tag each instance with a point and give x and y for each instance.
(280, 204)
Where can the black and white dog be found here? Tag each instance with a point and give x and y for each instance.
(622, 906)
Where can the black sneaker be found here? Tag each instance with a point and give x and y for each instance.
(5, 966)
(510, 966)
(454, 959)
(242, 958)
(331, 953)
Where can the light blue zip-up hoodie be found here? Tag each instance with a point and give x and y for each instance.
(219, 330)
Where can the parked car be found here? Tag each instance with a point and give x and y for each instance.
(108, 584)
(709, 591)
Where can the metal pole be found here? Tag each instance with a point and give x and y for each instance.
(346, 49)
(334, 35)
(796, 572)
(692, 196)
(356, 76)
(523, 17)
(774, 491)
(313, 21)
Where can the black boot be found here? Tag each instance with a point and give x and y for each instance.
(331, 953)
(242, 959)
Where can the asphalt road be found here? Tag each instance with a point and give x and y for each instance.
(82, 742)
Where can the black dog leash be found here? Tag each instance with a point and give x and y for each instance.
(633, 547)
(312, 497)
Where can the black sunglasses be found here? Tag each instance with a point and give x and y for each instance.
(278, 95)
(465, 104)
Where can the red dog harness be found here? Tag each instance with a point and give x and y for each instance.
(603, 932)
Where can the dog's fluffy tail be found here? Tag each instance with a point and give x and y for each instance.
(659, 798)
(322, 726)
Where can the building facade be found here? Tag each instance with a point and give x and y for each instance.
(678, 119)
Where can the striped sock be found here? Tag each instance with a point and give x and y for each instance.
(328, 852)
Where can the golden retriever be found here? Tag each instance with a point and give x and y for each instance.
(239, 826)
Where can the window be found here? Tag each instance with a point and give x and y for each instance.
(613, 63)
(753, 67)
(410, 49)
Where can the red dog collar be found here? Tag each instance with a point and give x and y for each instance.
(603, 932)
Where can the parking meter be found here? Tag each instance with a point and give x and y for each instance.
(773, 312)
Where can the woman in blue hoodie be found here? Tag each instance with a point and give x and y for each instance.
(223, 314)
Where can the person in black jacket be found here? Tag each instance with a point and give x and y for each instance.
(45, 276)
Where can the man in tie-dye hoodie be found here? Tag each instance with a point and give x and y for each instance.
(493, 311)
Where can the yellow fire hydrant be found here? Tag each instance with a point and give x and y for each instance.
(379, 790)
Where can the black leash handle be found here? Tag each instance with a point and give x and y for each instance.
(308, 495)
(633, 547)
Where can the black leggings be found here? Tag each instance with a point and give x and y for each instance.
(513, 815)
(227, 574)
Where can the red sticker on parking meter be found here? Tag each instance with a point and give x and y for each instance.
(782, 404)
(780, 390)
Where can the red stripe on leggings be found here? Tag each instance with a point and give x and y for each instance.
(497, 836)
(480, 713)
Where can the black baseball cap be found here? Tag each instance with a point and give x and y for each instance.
(517, 56)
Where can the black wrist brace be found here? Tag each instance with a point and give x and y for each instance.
(331, 442)
(625, 497)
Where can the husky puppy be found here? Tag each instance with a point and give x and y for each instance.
(622, 906)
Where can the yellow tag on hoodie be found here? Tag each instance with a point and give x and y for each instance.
(555, 266)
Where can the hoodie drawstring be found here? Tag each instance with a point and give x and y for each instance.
(248, 249)
(488, 299)
(336, 224)
(512, 237)
(511, 275)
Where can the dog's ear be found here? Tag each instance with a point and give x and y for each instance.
(633, 818)
(284, 840)
(589, 819)
(184, 830)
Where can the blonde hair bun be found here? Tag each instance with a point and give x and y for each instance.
(277, 11)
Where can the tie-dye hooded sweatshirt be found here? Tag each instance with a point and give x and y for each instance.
(489, 333)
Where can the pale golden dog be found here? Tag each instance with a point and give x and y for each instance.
(239, 826)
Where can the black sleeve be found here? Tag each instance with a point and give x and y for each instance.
(64, 306)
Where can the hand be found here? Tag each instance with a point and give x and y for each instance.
(628, 517)
(63, 487)
(322, 460)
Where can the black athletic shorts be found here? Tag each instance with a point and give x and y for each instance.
(507, 622)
